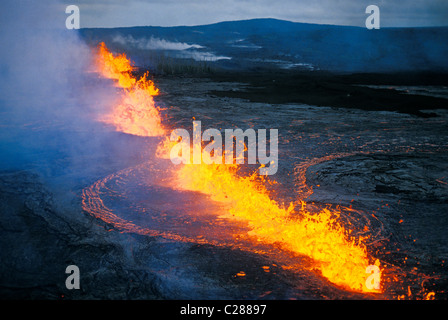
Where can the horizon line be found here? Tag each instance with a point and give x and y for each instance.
(252, 19)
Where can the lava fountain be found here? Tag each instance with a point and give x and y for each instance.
(136, 113)
(338, 256)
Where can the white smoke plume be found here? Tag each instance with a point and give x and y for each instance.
(49, 97)
(153, 43)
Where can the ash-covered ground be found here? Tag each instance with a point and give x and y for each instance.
(389, 166)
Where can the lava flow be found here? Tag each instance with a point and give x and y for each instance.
(338, 256)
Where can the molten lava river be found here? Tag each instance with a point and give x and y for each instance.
(354, 189)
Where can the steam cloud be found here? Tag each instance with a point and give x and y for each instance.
(181, 50)
(153, 43)
(49, 99)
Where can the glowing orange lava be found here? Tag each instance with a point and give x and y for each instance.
(136, 113)
(338, 257)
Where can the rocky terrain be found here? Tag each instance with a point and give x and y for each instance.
(389, 166)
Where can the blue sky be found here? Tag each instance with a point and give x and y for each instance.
(394, 13)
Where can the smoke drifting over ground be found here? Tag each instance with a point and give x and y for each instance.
(50, 97)
(154, 43)
(42, 61)
(175, 49)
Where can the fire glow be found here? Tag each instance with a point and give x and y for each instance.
(136, 113)
(337, 256)
(180, 151)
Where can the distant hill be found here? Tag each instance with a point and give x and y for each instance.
(277, 44)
